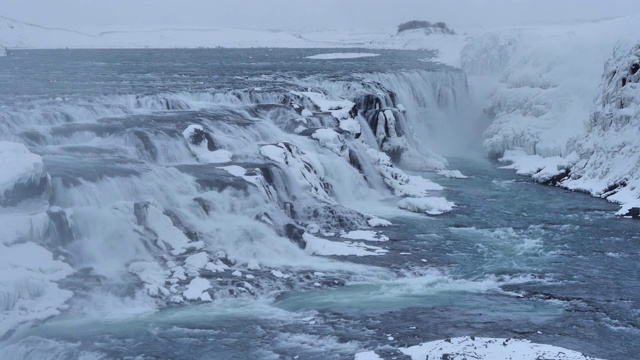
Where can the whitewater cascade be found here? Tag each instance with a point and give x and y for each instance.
(197, 196)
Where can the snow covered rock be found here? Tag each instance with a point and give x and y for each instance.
(489, 349)
(452, 174)
(401, 183)
(152, 275)
(319, 246)
(23, 176)
(197, 290)
(203, 146)
(307, 171)
(332, 141)
(427, 205)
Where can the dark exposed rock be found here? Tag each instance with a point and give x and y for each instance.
(198, 136)
(353, 112)
(557, 179)
(634, 213)
(60, 227)
(32, 188)
(354, 161)
(141, 212)
(294, 233)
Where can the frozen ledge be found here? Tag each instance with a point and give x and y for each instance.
(332, 56)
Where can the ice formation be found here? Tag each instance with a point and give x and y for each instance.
(551, 120)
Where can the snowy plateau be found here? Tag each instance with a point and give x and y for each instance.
(206, 197)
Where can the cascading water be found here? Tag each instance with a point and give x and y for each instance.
(173, 195)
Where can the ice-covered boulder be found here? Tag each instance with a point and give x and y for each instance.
(203, 146)
(23, 176)
(489, 348)
(427, 205)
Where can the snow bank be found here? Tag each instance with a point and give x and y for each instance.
(427, 205)
(367, 235)
(22, 174)
(367, 355)
(28, 291)
(451, 174)
(332, 56)
(401, 183)
(490, 349)
(319, 246)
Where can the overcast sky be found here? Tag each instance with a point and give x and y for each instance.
(309, 14)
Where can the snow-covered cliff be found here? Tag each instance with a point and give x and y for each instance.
(609, 156)
(548, 77)
(551, 119)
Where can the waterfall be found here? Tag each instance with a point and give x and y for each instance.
(162, 194)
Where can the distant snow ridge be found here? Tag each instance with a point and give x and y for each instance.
(333, 56)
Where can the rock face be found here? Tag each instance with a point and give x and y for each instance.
(381, 116)
(609, 160)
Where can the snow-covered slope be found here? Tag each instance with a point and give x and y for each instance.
(17, 34)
